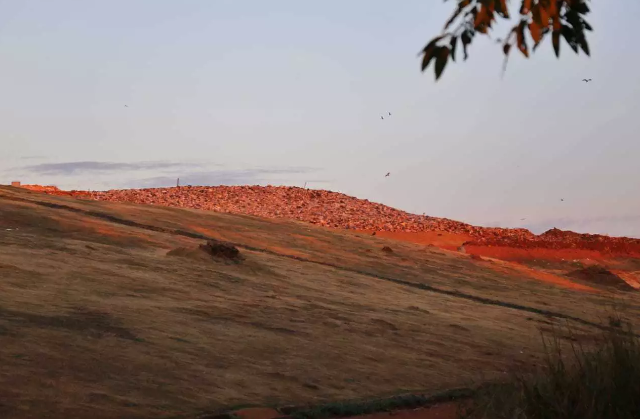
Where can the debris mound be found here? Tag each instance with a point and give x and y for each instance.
(337, 210)
(387, 249)
(599, 275)
(220, 249)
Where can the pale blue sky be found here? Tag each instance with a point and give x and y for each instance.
(288, 91)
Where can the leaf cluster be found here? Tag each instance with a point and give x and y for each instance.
(536, 19)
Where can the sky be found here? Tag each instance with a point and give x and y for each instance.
(121, 94)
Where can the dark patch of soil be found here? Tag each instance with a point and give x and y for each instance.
(601, 276)
(387, 249)
(213, 249)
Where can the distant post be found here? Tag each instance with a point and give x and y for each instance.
(178, 183)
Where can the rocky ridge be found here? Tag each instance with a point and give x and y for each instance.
(337, 210)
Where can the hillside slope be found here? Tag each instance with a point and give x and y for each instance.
(97, 320)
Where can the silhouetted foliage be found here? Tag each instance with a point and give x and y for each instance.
(537, 19)
(586, 380)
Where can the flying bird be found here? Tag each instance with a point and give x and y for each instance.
(522, 219)
(562, 199)
(126, 106)
(586, 80)
(387, 175)
(389, 113)
(382, 117)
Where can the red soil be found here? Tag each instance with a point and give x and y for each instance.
(443, 240)
(520, 254)
(542, 276)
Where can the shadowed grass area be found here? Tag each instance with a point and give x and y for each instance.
(598, 381)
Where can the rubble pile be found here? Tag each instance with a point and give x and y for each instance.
(325, 208)
(333, 209)
(561, 239)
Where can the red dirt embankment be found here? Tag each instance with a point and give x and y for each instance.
(332, 209)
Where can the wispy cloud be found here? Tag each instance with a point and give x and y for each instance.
(81, 167)
(222, 177)
(33, 157)
(150, 174)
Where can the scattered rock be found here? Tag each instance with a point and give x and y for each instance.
(387, 249)
(220, 249)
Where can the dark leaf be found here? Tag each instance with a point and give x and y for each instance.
(556, 42)
(456, 13)
(432, 43)
(580, 7)
(429, 52)
(584, 45)
(570, 36)
(536, 32)
(501, 8)
(454, 44)
(535, 14)
(521, 41)
(481, 18)
(586, 25)
(543, 16)
(466, 40)
(526, 7)
(441, 61)
(426, 59)
(574, 19)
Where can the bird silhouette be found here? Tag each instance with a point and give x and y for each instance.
(562, 199)
(126, 106)
(522, 219)
(586, 80)
(387, 175)
(382, 117)
(389, 113)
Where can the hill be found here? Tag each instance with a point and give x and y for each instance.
(110, 310)
(332, 209)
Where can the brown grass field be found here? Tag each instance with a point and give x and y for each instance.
(97, 321)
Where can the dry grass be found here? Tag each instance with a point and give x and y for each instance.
(598, 380)
(96, 320)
